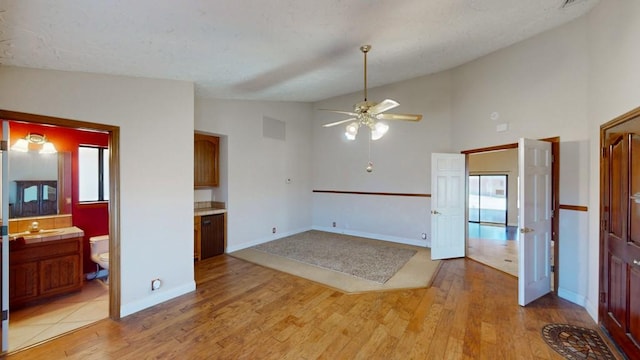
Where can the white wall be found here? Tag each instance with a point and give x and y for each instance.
(156, 166)
(401, 163)
(614, 89)
(539, 88)
(258, 197)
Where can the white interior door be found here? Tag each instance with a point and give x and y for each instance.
(4, 215)
(448, 207)
(534, 250)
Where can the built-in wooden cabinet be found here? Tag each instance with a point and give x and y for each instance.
(44, 269)
(206, 150)
(209, 235)
(196, 237)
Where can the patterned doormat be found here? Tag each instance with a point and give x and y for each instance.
(574, 342)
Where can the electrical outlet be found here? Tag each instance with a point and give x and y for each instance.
(155, 284)
(273, 230)
(424, 236)
(334, 224)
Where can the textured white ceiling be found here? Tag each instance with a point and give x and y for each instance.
(299, 50)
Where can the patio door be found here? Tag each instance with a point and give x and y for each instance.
(488, 199)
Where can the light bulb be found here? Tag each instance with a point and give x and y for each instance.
(379, 130)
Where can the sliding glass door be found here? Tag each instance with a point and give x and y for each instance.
(488, 199)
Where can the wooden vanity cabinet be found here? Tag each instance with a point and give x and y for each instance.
(44, 269)
(206, 150)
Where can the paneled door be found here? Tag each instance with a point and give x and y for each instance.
(448, 199)
(534, 250)
(619, 309)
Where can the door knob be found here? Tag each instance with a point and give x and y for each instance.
(525, 230)
(435, 212)
(636, 262)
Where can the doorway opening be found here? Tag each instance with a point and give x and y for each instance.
(108, 295)
(509, 234)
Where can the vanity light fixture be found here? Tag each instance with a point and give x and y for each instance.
(22, 145)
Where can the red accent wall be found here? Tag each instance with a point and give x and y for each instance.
(92, 218)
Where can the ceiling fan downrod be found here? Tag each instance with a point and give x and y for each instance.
(365, 49)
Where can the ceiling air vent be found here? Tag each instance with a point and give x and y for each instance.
(567, 3)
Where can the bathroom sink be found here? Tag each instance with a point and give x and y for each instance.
(46, 232)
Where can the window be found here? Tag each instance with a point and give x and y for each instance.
(93, 166)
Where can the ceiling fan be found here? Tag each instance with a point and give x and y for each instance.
(366, 113)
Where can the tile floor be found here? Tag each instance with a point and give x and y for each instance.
(38, 323)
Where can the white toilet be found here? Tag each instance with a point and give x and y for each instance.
(100, 254)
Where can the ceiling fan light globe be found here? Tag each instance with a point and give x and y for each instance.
(352, 131)
(379, 130)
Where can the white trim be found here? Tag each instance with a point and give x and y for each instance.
(158, 297)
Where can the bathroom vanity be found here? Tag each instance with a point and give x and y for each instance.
(44, 264)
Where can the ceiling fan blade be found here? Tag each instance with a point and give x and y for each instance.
(339, 122)
(340, 112)
(405, 117)
(384, 105)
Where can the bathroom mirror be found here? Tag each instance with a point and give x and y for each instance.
(39, 184)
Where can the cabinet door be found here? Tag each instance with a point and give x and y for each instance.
(59, 274)
(206, 155)
(212, 236)
(23, 282)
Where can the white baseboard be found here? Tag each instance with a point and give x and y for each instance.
(395, 239)
(156, 298)
(592, 309)
(232, 248)
(573, 297)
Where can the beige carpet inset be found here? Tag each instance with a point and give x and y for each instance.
(417, 271)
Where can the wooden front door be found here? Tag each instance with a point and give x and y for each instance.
(619, 309)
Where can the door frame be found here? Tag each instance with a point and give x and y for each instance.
(114, 192)
(555, 194)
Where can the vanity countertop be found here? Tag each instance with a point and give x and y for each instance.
(208, 211)
(48, 235)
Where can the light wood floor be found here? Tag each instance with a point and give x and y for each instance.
(245, 311)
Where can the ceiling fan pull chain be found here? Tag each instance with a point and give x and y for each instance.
(369, 167)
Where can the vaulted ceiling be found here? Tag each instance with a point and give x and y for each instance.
(294, 50)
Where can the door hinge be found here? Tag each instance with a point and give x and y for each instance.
(553, 268)
(4, 230)
(5, 315)
(604, 152)
(603, 297)
(4, 145)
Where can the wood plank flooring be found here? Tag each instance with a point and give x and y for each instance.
(245, 311)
